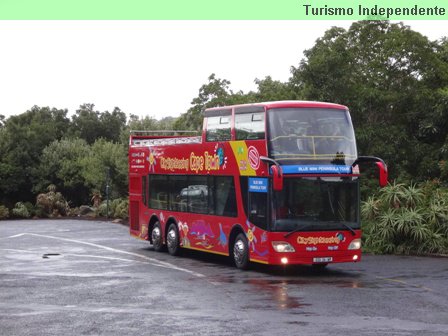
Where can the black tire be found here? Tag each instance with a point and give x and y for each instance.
(172, 240)
(157, 237)
(240, 252)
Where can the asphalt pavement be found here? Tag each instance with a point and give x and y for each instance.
(77, 277)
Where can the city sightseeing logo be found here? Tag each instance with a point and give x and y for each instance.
(338, 238)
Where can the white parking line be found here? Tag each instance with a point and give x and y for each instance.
(152, 260)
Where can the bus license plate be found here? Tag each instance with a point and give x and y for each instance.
(323, 260)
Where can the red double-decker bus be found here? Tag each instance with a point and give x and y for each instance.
(273, 183)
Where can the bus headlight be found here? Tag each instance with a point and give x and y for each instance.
(280, 246)
(355, 244)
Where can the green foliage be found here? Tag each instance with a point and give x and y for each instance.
(122, 209)
(4, 212)
(61, 163)
(118, 208)
(106, 164)
(21, 211)
(22, 139)
(91, 125)
(407, 219)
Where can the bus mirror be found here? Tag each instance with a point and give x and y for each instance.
(277, 174)
(277, 178)
(383, 173)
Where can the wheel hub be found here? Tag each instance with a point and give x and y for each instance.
(155, 236)
(238, 251)
(171, 239)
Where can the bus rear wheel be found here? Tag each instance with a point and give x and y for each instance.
(241, 252)
(156, 236)
(172, 240)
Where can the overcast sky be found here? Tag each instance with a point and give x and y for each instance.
(152, 68)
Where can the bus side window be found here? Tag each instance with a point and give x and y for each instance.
(158, 192)
(178, 192)
(225, 204)
(249, 126)
(218, 128)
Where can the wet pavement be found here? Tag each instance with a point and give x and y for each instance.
(76, 277)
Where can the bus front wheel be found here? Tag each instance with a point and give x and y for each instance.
(156, 235)
(241, 252)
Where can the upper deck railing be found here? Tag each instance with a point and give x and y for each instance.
(162, 137)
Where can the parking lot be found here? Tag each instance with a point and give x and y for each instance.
(76, 277)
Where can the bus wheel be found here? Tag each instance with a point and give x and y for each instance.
(156, 235)
(172, 240)
(241, 252)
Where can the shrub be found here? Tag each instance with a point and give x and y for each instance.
(20, 211)
(4, 212)
(407, 219)
(118, 208)
(51, 204)
(121, 211)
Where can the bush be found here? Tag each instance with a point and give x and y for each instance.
(121, 210)
(20, 211)
(51, 204)
(118, 208)
(4, 212)
(407, 219)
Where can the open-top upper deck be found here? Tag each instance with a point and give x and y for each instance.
(296, 134)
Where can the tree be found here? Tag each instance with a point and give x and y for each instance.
(22, 139)
(112, 124)
(91, 125)
(272, 90)
(213, 94)
(61, 165)
(106, 160)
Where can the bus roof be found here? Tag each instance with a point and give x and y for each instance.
(280, 104)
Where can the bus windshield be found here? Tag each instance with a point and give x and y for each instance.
(321, 203)
(311, 136)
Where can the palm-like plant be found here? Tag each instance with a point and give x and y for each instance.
(393, 194)
(370, 208)
(412, 195)
(385, 226)
(407, 219)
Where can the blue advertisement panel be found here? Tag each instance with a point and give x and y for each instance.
(316, 169)
(258, 184)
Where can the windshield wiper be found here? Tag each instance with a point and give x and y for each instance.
(296, 230)
(349, 228)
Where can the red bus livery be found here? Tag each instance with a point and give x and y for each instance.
(274, 183)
